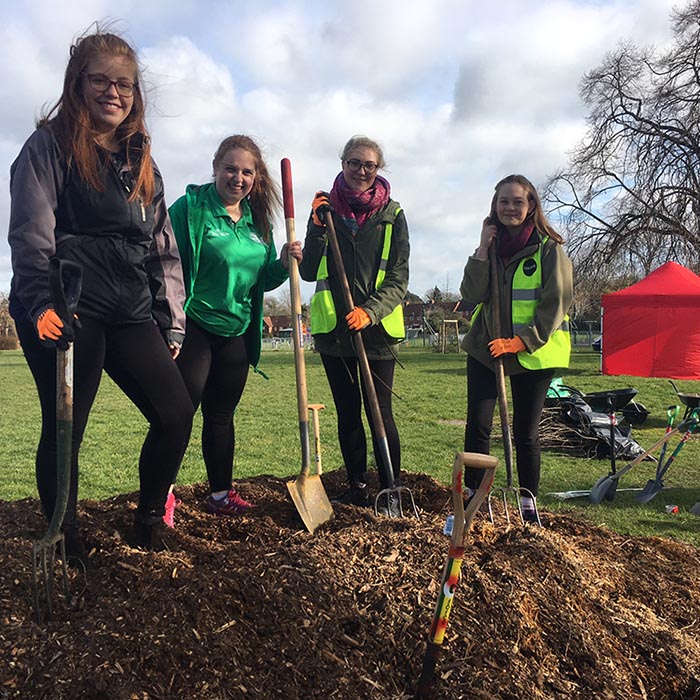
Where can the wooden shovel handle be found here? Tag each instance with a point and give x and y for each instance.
(498, 366)
(372, 400)
(453, 564)
(299, 361)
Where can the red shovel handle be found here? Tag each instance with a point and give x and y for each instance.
(287, 196)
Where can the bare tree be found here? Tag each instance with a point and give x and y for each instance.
(630, 199)
(8, 338)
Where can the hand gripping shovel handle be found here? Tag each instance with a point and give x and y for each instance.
(297, 336)
(450, 573)
(365, 370)
(498, 367)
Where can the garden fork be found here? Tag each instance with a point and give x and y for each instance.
(503, 407)
(65, 282)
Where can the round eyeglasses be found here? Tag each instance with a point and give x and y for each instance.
(355, 165)
(101, 83)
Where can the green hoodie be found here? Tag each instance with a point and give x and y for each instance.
(194, 213)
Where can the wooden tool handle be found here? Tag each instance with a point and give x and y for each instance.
(297, 336)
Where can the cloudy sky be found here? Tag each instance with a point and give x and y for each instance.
(458, 92)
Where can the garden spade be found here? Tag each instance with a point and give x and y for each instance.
(65, 281)
(307, 490)
(655, 485)
(608, 484)
(450, 574)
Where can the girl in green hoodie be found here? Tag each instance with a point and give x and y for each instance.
(224, 233)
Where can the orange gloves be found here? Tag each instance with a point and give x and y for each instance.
(320, 206)
(506, 346)
(357, 319)
(49, 325)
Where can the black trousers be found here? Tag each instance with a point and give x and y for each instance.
(343, 377)
(529, 390)
(215, 370)
(138, 360)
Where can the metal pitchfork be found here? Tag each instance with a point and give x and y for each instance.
(503, 405)
(65, 281)
(368, 379)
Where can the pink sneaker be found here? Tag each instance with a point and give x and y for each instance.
(170, 504)
(230, 504)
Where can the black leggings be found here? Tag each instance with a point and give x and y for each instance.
(215, 370)
(138, 360)
(529, 390)
(342, 373)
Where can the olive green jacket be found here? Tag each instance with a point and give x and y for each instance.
(554, 303)
(361, 258)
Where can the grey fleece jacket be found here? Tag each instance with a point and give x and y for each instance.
(128, 254)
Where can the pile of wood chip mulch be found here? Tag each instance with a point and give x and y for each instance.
(256, 607)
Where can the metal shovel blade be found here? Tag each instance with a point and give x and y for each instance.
(604, 488)
(311, 500)
(650, 490)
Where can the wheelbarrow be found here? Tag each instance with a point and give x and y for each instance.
(65, 282)
(690, 401)
(615, 399)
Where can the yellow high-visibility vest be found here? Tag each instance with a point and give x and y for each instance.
(324, 317)
(526, 291)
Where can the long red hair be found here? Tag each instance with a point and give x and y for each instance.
(72, 123)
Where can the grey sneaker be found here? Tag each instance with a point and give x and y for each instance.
(530, 515)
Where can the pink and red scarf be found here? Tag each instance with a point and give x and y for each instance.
(508, 246)
(355, 207)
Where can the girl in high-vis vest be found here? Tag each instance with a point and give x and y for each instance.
(536, 289)
(373, 240)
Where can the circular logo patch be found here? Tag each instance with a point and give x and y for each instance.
(529, 267)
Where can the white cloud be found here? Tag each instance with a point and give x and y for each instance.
(459, 93)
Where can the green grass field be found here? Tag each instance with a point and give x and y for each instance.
(430, 416)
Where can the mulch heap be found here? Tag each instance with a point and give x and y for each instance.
(256, 607)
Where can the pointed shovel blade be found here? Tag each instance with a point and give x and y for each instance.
(604, 488)
(652, 487)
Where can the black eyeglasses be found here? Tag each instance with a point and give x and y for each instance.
(355, 165)
(102, 83)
